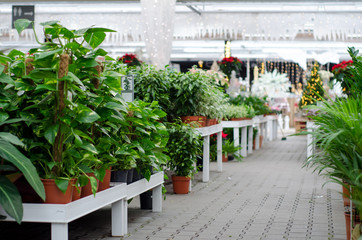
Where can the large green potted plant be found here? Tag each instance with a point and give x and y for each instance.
(187, 92)
(183, 147)
(58, 99)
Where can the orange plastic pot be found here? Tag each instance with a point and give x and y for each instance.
(346, 195)
(195, 121)
(87, 189)
(225, 158)
(103, 185)
(76, 193)
(181, 184)
(54, 195)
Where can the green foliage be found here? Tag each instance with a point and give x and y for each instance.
(314, 91)
(352, 80)
(257, 106)
(153, 85)
(339, 137)
(187, 92)
(144, 138)
(184, 146)
(229, 148)
(237, 111)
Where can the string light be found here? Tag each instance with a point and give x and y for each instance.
(227, 50)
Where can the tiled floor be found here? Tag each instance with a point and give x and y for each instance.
(267, 196)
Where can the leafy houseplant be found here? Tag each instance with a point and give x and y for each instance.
(229, 148)
(57, 98)
(259, 105)
(183, 147)
(144, 138)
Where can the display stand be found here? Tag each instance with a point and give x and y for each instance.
(261, 123)
(272, 127)
(59, 215)
(205, 132)
(310, 140)
(246, 130)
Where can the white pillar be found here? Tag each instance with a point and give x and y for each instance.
(250, 139)
(243, 141)
(219, 151)
(59, 231)
(206, 160)
(157, 199)
(119, 218)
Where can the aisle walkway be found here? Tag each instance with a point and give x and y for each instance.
(268, 196)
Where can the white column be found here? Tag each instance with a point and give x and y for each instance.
(243, 141)
(236, 137)
(310, 145)
(250, 140)
(119, 218)
(59, 231)
(219, 152)
(257, 138)
(157, 199)
(206, 160)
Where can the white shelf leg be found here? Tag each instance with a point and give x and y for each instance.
(243, 141)
(266, 136)
(250, 139)
(119, 218)
(157, 199)
(206, 160)
(219, 152)
(59, 231)
(275, 121)
(257, 139)
(236, 137)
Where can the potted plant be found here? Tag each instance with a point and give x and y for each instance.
(59, 103)
(229, 149)
(187, 92)
(184, 146)
(229, 64)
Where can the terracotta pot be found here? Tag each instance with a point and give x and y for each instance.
(87, 189)
(208, 122)
(246, 118)
(195, 121)
(54, 195)
(76, 193)
(236, 119)
(181, 184)
(346, 195)
(225, 158)
(103, 185)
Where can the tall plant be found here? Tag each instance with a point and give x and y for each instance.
(57, 87)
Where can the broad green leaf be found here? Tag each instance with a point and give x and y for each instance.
(89, 147)
(11, 138)
(46, 86)
(87, 115)
(115, 106)
(13, 53)
(100, 52)
(5, 59)
(100, 173)
(62, 184)
(21, 24)
(51, 133)
(10, 199)
(94, 39)
(114, 82)
(13, 120)
(46, 54)
(86, 62)
(75, 78)
(3, 116)
(83, 180)
(49, 23)
(94, 184)
(4, 78)
(13, 155)
(2, 67)
(93, 30)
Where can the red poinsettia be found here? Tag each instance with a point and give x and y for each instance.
(130, 59)
(227, 65)
(341, 66)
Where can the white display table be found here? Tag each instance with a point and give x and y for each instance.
(59, 215)
(245, 143)
(205, 132)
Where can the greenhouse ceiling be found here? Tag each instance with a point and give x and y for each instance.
(289, 30)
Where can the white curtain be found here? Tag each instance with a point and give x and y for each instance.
(158, 22)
